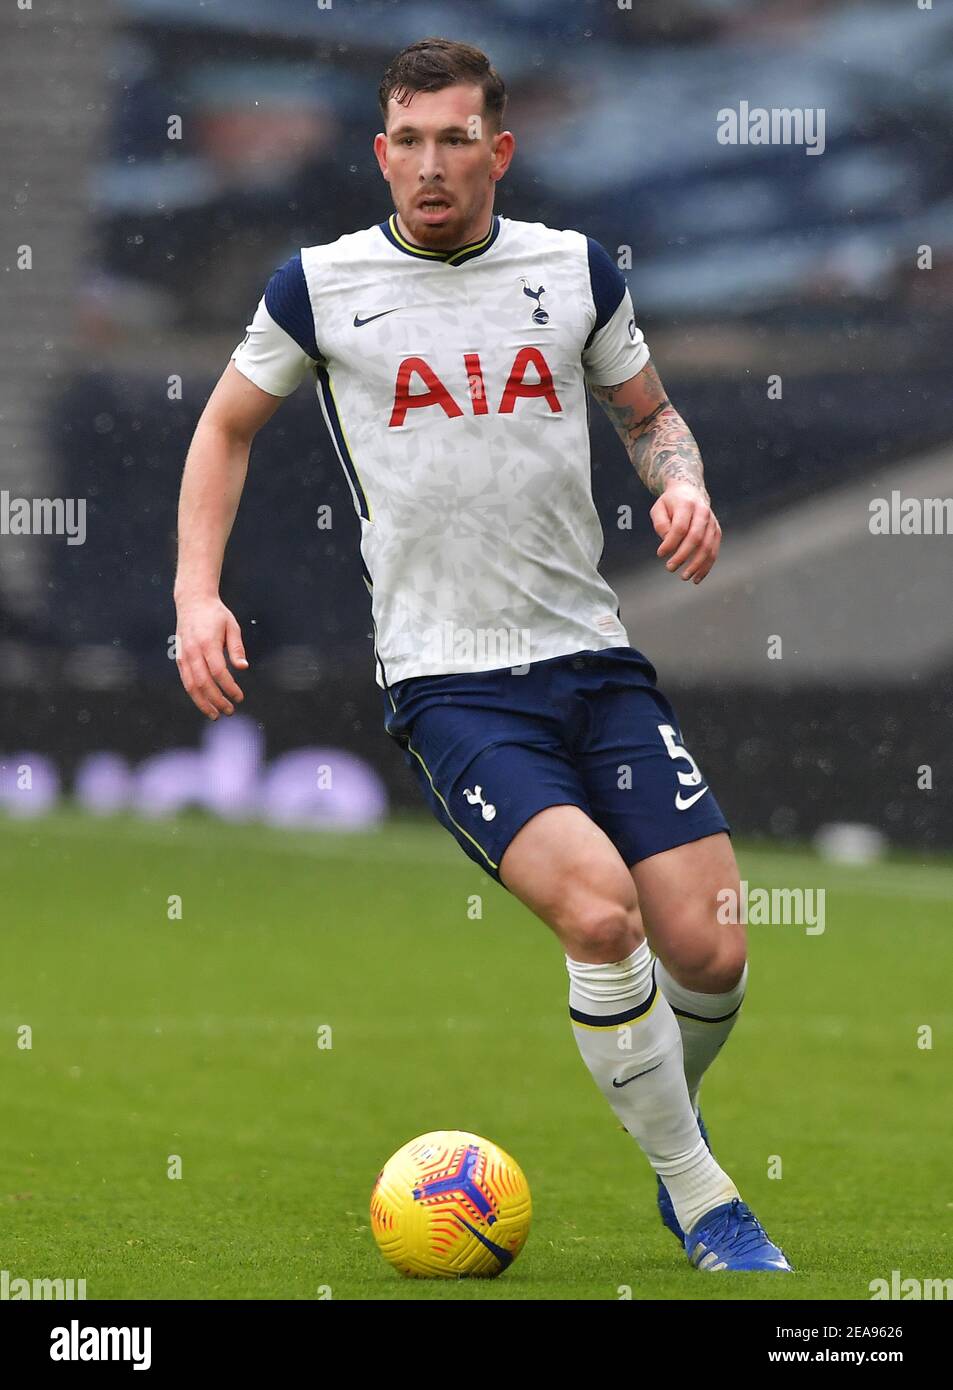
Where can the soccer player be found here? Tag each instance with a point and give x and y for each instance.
(451, 349)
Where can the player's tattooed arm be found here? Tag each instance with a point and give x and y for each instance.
(666, 458)
(656, 438)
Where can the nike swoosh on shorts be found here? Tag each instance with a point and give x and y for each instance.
(683, 803)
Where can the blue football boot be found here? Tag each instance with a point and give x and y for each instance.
(666, 1210)
(730, 1236)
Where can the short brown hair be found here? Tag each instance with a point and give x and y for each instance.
(431, 64)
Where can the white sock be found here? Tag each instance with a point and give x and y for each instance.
(704, 1022)
(626, 1031)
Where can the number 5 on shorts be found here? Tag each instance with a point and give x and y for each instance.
(675, 750)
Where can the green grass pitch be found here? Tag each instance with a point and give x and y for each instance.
(198, 1037)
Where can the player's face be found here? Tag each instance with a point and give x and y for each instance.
(442, 160)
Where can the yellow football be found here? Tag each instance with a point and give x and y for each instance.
(450, 1205)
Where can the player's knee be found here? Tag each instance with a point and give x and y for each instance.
(725, 971)
(709, 961)
(601, 931)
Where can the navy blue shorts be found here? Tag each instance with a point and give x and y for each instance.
(490, 749)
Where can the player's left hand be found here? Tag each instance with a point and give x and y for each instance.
(683, 517)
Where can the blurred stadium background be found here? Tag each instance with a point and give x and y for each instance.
(149, 256)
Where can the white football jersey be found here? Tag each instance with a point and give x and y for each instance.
(453, 385)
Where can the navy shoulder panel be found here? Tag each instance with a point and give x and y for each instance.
(289, 304)
(607, 281)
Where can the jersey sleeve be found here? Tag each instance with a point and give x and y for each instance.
(615, 349)
(279, 344)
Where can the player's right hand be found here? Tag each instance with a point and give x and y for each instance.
(205, 630)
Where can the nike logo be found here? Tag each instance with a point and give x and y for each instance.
(682, 803)
(359, 322)
(619, 1084)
